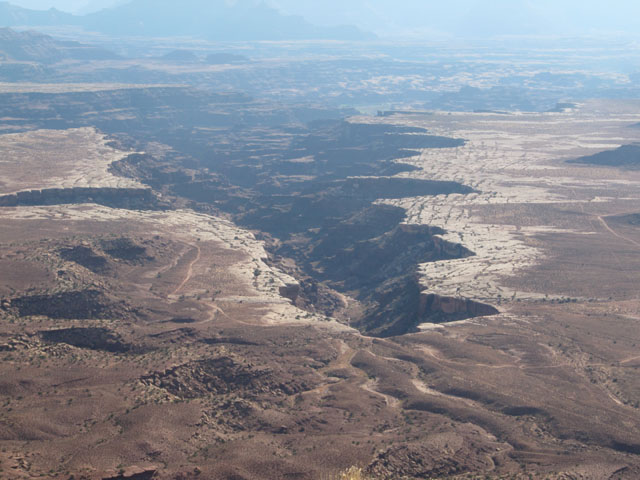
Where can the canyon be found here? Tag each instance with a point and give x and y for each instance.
(206, 284)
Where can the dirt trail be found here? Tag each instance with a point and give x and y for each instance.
(344, 362)
(369, 386)
(344, 358)
(629, 360)
(432, 352)
(613, 232)
(189, 270)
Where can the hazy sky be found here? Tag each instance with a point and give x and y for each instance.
(454, 17)
(481, 16)
(74, 6)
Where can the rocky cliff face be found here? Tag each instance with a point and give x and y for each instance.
(435, 308)
(133, 198)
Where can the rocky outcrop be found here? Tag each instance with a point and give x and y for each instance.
(221, 376)
(85, 256)
(425, 460)
(85, 304)
(290, 291)
(100, 339)
(125, 249)
(437, 309)
(133, 473)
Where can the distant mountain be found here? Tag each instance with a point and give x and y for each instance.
(462, 18)
(36, 47)
(13, 16)
(471, 18)
(220, 20)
